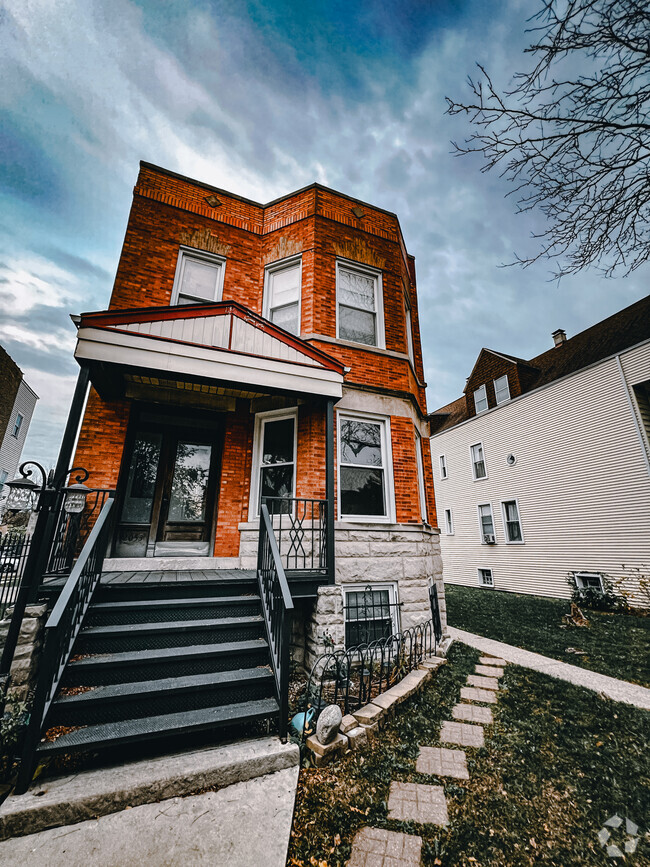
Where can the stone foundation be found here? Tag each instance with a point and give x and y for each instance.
(406, 555)
(28, 649)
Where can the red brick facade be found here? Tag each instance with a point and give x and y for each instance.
(322, 227)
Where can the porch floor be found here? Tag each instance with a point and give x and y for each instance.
(177, 575)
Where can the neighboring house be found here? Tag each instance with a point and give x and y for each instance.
(236, 334)
(542, 468)
(17, 402)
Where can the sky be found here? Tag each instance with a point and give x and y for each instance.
(262, 98)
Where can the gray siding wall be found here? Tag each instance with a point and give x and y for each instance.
(12, 447)
(581, 479)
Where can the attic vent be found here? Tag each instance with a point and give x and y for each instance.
(559, 336)
(213, 201)
(358, 212)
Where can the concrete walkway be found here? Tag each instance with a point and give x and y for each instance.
(618, 690)
(244, 825)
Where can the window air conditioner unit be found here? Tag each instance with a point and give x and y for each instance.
(489, 539)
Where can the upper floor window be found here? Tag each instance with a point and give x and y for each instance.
(480, 399)
(17, 425)
(359, 305)
(502, 389)
(199, 277)
(478, 461)
(282, 294)
(443, 467)
(364, 468)
(511, 521)
(486, 524)
(409, 327)
(449, 522)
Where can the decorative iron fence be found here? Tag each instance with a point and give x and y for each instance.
(353, 677)
(14, 548)
(277, 608)
(300, 526)
(435, 612)
(61, 632)
(72, 530)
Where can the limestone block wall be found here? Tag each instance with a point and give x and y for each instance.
(406, 555)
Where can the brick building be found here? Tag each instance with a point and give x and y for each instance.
(239, 341)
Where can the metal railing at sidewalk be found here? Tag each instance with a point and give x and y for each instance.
(14, 548)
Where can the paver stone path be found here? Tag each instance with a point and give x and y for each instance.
(374, 847)
(472, 713)
(462, 733)
(442, 762)
(417, 802)
(471, 693)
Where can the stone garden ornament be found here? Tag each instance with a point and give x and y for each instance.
(329, 723)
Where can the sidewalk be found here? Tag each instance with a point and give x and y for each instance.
(618, 690)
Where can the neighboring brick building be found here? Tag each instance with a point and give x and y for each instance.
(542, 467)
(232, 331)
(17, 402)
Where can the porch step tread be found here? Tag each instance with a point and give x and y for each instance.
(127, 731)
(164, 685)
(168, 626)
(189, 602)
(167, 653)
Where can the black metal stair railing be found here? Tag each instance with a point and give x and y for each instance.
(61, 632)
(277, 608)
(301, 530)
(72, 530)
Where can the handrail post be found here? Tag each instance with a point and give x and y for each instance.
(329, 489)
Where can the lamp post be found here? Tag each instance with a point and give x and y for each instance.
(46, 500)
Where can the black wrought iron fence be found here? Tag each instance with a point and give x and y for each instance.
(435, 612)
(61, 632)
(72, 530)
(353, 677)
(300, 526)
(14, 548)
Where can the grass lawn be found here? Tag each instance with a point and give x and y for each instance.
(614, 644)
(558, 761)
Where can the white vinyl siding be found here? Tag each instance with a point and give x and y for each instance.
(480, 399)
(501, 389)
(580, 479)
(12, 446)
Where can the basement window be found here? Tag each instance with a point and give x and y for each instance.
(371, 613)
(485, 578)
(589, 579)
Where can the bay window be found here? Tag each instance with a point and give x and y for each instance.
(364, 468)
(282, 294)
(359, 304)
(199, 277)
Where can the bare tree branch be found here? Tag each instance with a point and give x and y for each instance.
(573, 133)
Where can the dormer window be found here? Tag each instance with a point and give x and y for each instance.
(199, 277)
(501, 389)
(480, 399)
(282, 294)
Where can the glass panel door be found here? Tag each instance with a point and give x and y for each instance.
(135, 518)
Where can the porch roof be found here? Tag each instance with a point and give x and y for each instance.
(223, 343)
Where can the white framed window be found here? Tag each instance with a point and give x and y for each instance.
(199, 277)
(274, 457)
(371, 612)
(443, 466)
(512, 522)
(479, 469)
(365, 489)
(282, 290)
(589, 579)
(480, 399)
(485, 578)
(3, 477)
(409, 327)
(449, 522)
(486, 524)
(420, 464)
(17, 425)
(359, 305)
(501, 389)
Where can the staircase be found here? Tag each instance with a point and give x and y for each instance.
(155, 660)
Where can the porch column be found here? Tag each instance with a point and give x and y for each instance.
(329, 488)
(73, 422)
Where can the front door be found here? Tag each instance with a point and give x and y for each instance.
(169, 492)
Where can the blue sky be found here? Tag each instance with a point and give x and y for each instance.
(262, 98)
